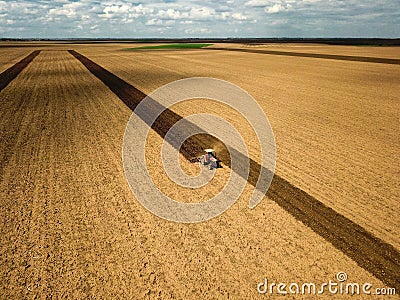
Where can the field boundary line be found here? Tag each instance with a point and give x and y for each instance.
(11, 73)
(369, 252)
(379, 60)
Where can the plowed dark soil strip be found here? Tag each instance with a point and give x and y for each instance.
(379, 60)
(371, 253)
(8, 75)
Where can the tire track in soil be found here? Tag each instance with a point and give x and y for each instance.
(9, 138)
(378, 60)
(369, 252)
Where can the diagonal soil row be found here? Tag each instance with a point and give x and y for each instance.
(8, 75)
(371, 253)
(378, 60)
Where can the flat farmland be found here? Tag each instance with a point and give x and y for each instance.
(365, 51)
(9, 56)
(329, 140)
(72, 228)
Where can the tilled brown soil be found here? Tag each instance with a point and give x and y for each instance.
(371, 253)
(335, 121)
(12, 72)
(358, 51)
(378, 60)
(10, 56)
(71, 227)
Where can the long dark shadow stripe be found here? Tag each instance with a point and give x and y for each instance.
(368, 251)
(8, 75)
(379, 60)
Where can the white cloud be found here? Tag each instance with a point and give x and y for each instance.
(141, 9)
(197, 30)
(195, 13)
(154, 22)
(224, 15)
(239, 16)
(62, 12)
(158, 22)
(170, 13)
(124, 11)
(68, 10)
(278, 7)
(63, 18)
(201, 13)
(258, 3)
(274, 6)
(116, 9)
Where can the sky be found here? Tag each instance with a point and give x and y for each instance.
(199, 18)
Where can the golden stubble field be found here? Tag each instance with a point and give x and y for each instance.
(72, 228)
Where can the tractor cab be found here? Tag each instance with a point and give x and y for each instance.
(210, 159)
